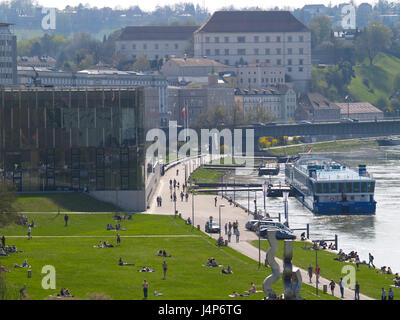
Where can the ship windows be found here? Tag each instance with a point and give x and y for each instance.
(349, 187)
(356, 187)
(341, 187)
(363, 187)
(333, 187)
(371, 186)
(326, 187)
(319, 187)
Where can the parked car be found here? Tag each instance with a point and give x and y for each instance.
(212, 227)
(265, 223)
(250, 224)
(281, 234)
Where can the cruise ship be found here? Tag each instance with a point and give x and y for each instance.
(329, 188)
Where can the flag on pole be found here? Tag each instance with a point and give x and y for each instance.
(309, 150)
(183, 112)
(285, 200)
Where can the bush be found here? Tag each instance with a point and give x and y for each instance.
(8, 197)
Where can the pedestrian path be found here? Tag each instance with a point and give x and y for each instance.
(202, 207)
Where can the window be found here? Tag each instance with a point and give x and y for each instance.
(278, 62)
(256, 39)
(208, 52)
(267, 61)
(144, 46)
(267, 51)
(267, 39)
(289, 62)
(216, 39)
(278, 39)
(371, 186)
(301, 51)
(334, 188)
(349, 187)
(301, 62)
(356, 187)
(227, 62)
(227, 52)
(301, 38)
(134, 46)
(290, 51)
(278, 51)
(241, 39)
(226, 39)
(217, 52)
(256, 52)
(300, 69)
(289, 39)
(325, 187)
(241, 52)
(176, 46)
(363, 187)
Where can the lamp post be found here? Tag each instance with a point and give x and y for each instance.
(248, 200)
(174, 204)
(192, 203)
(285, 205)
(316, 269)
(219, 209)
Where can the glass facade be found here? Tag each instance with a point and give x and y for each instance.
(66, 139)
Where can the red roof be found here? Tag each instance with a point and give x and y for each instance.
(252, 21)
(157, 33)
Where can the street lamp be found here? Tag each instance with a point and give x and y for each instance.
(219, 209)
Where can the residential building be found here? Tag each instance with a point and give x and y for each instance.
(76, 139)
(279, 101)
(310, 11)
(259, 75)
(360, 111)
(315, 107)
(109, 78)
(191, 67)
(155, 42)
(8, 56)
(247, 37)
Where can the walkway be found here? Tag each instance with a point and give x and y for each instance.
(205, 207)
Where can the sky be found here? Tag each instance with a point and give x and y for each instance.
(212, 5)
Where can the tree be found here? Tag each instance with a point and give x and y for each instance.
(142, 64)
(375, 38)
(320, 27)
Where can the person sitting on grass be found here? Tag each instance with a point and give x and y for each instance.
(389, 271)
(227, 271)
(68, 294)
(303, 236)
(252, 288)
(107, 245)
(145, 269)
(160, 253)
(3, 252)
(24, 265)
(121, 263)
(164, 254)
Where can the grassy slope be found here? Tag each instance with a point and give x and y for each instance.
(322, 146)
(52, 202)
(380, 76)
(202, 175)
(370, 281)
(83, 269)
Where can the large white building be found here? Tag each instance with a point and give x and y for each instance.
(259, 75)
(31, 77)
(8, 56)
(276, 38)
(154, 42)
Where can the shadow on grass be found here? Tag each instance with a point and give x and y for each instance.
(63, 202)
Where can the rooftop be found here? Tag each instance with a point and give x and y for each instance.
(252, 21)
(196, 62)
(318, 101)
(276, 90)
(357, 107)
(157, 33)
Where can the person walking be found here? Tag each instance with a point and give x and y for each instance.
(237, 235)
(118, 239)
(371, 260)
(332, 285)
(66, 220)
(160, 201)
(229, 235)
(215, 201)
(29, 232)
(310, 272)
(230, 226)
(357, 262)
(357, 291)
(3, 241)
(165, 267)
(145, 286)
(341, 286)
(383, 295)
(226, 228)
(390, 294)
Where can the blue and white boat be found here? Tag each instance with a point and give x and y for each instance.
(329, 188)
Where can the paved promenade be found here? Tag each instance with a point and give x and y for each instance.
(204, 206)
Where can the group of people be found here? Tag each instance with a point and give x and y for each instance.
(104, 245)
(212, 263)
(65, 293)
(120, 217)
(388, 296)
(396, 280)
(228, 270)
(25, 264)
(4, 251)
(228, 230)
(159, 201)
(117, 227)
(163, 253)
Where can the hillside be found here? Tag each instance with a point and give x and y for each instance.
(374, 82)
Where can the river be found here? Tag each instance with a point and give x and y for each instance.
(378, 234)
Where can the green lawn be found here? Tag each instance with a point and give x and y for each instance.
(203, 175)
(371, 282)
(84, 269)
(65, 202)
(380, 77)
(322, 146)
